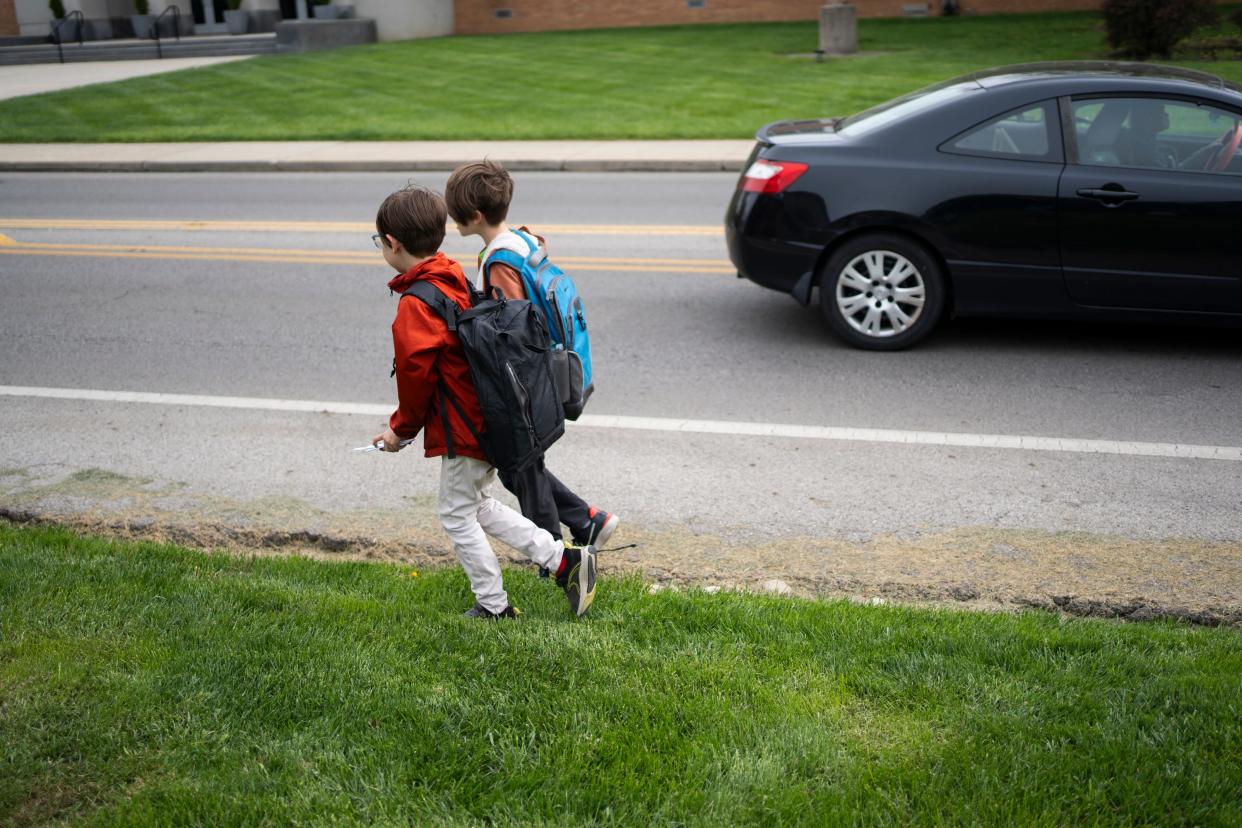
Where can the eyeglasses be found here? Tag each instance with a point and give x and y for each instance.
(378, 240)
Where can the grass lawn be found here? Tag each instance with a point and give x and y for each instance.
(144, 684)
(718, 81)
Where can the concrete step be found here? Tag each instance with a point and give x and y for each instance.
(190, 46)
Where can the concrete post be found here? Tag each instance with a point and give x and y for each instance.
(838, 29)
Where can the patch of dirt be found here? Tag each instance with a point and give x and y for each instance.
(54, 798)
(827, 57)
(971, 567)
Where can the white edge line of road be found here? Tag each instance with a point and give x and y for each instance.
(802, 432)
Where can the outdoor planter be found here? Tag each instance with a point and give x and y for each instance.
(237, 21)
(264, 20)
(68, 30)
(143, 24)
(97, 28)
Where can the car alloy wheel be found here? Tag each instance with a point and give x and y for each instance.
(882, 291)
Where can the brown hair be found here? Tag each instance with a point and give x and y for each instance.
(484, 186)
(414, 216)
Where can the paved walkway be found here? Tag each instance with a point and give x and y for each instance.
(36, 78)
(322, 156)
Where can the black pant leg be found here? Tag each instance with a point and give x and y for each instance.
(533, 488)
(572, 510)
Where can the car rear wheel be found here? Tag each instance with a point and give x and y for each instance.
(882, 292)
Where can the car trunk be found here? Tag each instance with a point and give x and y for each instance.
(792, 132)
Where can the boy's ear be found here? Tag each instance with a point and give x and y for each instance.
(393, 244)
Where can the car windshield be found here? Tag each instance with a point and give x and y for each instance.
(889, 112)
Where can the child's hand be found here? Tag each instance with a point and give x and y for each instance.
(390, 440)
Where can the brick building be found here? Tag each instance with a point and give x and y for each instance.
(404, 19)
(497, 16)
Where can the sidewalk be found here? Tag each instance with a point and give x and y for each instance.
(377, 156)
(36, 78)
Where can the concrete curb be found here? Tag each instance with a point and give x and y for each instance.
(377, 156)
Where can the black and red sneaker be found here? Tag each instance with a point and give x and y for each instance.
(576, 576)
(599, 530)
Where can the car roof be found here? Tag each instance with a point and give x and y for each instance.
(998, 85)
(1092, 69)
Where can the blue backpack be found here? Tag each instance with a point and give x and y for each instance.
(555, 295)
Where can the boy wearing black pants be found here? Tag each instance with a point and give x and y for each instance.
(478, 197)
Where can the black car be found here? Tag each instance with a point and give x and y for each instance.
(1066, 190)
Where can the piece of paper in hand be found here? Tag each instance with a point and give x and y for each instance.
(380, 446)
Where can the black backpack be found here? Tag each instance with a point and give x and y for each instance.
(507, 347)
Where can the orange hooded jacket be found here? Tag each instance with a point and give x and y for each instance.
(425, 352)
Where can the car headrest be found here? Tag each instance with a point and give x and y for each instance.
(1106, 127)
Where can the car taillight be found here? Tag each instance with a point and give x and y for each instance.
(771, 176)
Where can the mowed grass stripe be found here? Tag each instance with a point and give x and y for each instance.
(236, 226)
(152, 685)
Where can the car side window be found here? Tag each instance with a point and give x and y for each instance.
(1022, 134)
(1157, 133)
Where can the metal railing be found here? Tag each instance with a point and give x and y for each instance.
(155, 29)
(58, 39)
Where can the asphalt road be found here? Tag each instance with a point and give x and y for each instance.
(256, 302)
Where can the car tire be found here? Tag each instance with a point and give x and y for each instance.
(882, 291)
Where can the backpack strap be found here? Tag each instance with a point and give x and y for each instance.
(447, 309)
(445, 395)
(510, 253)
(444, 418)
(502, 256)
(529, 264)
(536, 254)
(434, 298)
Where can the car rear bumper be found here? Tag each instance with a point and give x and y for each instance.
(774, 263)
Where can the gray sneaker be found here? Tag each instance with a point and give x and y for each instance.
(577, 577)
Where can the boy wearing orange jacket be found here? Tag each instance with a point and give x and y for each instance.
(428, 362)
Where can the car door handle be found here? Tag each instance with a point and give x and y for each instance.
(1104, 194)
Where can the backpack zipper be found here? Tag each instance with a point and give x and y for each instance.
(555, 307)
(524, 400)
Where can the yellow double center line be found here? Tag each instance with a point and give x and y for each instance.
(311, 256)
(237, 226)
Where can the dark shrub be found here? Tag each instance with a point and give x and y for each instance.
(1236, 18)
(1150, 28)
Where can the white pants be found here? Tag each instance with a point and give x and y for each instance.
(467, 511)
